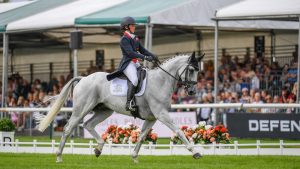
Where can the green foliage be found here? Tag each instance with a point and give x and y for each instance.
(6, 125)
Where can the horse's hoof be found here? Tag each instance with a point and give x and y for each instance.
(197, 156)
(97, 152)
(135, 160)
(58, 160)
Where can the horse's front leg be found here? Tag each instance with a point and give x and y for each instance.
(165, 118)
(145, 130)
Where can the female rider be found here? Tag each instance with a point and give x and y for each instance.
(131, 49)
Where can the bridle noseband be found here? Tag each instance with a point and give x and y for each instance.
(186, 82)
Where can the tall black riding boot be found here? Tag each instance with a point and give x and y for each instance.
(130, 104)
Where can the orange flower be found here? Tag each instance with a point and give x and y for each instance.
(116, 140)
(104, 136)
(223, 130)
(212, 139)
(154, 136)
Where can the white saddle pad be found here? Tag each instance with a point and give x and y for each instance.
(118, 87)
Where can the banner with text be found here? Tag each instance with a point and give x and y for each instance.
(180, 119)
(286, 126)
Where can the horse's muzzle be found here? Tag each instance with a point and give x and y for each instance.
(191, 91)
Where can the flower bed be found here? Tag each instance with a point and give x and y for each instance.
(126, 134)
(203, 134)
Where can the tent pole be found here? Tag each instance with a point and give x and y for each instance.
(146, 35)
(146, 41)
(216, 68)
(75, 60)
(150, 37)
(273, 46)
(5, 71)
(298, 73)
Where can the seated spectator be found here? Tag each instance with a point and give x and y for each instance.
(268, 110)
(245, 96)
(257, 100)
(291, 110)
(284, 95)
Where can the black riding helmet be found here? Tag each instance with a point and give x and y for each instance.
(126, 21)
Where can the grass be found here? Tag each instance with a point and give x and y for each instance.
(46, 161)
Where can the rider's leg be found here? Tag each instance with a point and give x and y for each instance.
(131, 74)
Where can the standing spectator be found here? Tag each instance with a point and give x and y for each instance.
(254, 84)
(292, 74)
(204, 113)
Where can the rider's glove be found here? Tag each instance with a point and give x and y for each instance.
(149, 58)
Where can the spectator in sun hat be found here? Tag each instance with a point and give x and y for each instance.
(245, 98)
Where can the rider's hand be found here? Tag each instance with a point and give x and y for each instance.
(149, 58)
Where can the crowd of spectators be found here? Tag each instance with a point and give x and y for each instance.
(22, 93)
(251, 80)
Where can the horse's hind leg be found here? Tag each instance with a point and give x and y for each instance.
(145, 130)
(72, 123)
(79, 112)
(98, 117)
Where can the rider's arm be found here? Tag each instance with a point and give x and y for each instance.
(145, 51)
(127, 47)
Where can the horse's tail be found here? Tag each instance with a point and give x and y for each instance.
(57, 104)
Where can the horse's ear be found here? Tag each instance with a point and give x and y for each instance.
(200, 57)
(192, 58)
(193, 54)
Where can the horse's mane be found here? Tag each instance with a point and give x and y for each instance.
(170, 59)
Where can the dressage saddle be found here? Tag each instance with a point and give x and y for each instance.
(141, 74)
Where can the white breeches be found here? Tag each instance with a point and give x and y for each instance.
(130, 72)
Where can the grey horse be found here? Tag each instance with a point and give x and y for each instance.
(92, 94)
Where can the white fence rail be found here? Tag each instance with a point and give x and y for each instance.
(175, 106)
(257, 148)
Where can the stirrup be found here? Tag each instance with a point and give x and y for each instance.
(132, 106)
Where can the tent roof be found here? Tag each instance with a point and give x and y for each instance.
(28, 10)
(141, 10)
(9, 6)
(260, 9)
(62, 16)
(176, 12)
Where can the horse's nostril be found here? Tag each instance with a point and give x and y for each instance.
(191, 93)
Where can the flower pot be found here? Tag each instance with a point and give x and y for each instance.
(7, 137)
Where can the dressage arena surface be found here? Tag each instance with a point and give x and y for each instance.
(47, 161)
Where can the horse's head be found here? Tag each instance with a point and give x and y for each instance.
(188, 74)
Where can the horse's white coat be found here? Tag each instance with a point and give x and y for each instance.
(92, 94)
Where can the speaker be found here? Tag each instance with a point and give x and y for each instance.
(259, 44)
(76, 40)
(99, 58)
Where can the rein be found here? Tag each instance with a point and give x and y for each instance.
(185, 83)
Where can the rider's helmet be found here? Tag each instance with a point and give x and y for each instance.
(125, 22)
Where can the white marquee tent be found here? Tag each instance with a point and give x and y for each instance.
(62, 16)
(9, 6)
